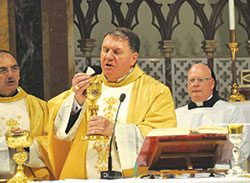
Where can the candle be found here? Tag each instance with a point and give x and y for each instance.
(231, 15)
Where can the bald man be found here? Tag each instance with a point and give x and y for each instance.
(207, 109)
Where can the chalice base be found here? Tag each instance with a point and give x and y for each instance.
(20, 177)
(237, 171)
(95, 137)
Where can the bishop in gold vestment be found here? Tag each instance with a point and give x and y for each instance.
(148, 105)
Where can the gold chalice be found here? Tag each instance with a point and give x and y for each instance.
(19, 140)
(93, 93)
(235, 132)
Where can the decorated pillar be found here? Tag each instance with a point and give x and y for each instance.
(248, 46)
(167, 47)
(209, 47)
(87, 46)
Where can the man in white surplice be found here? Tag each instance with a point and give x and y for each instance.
(207, 109)
(148, 105)
(19, 110)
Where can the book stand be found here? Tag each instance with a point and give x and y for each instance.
(179, 154)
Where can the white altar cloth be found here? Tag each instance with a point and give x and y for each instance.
(245, 106)
(170, 180)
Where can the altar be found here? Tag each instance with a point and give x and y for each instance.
(245, 106)
(170, 180)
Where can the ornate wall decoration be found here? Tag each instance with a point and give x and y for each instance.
(180, 66)
(164, 22)
(164, 16)
(244, 10)
(223, 72)
(85, 24)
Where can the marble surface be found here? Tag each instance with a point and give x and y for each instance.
(29, 45)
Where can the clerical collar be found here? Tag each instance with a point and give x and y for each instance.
(16, 92)
(208, 103)
(200, 104)
(124, 77)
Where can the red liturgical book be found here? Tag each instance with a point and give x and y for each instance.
(181, 149)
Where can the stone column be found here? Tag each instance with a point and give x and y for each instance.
(248, 47)
(209, 47)
(167, 47)
(87, 46)
(58, 46)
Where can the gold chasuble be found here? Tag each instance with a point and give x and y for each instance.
(150, 106)
(38, 115)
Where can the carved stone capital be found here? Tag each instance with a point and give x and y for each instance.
(86, 46)
(209, 47)
(166, 47)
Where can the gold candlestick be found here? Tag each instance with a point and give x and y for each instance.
(234, 47)
(19, 140)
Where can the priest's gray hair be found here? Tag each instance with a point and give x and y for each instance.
(125, 33)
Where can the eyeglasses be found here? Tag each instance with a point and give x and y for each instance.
(199, 80)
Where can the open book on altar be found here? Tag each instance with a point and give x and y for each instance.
(181, 148)
(188, 131)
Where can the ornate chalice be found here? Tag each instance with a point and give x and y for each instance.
(235, 132)
(93, 93)
(19, 140)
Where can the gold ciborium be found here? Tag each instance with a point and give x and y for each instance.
(93, 93)
(19, 140)
(235, 132)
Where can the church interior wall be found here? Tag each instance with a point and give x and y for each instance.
(37, 40)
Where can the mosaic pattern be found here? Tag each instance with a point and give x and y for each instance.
(223, 72)
(154, 67)
(180, 66)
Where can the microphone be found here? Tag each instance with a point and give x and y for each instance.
(113, 174)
